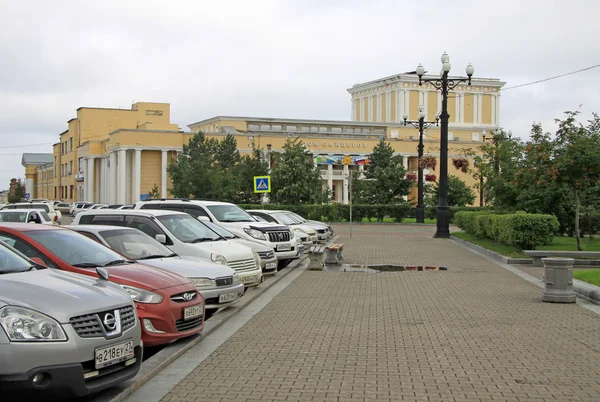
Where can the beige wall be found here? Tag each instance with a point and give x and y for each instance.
(151, 173)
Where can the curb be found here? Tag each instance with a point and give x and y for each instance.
(182, 348)
(583, 290)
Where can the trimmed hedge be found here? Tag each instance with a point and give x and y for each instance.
(522, 230)
(372, 212)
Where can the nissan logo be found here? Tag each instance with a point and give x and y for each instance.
(188, 296)
(109, 321)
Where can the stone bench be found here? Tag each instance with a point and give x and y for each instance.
(333, 253)
(537, 255)
(315, 258)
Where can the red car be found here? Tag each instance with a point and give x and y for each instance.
(168, 305)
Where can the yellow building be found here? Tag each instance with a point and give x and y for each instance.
(39, 173)
(118, 155)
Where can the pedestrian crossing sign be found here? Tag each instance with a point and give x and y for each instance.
(262, 184)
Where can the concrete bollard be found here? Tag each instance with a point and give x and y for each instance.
(558, 280)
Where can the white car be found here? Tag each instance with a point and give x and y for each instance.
(77, 207)
(233, 218)
(220, 286)
(47, 207)
(183, 235)
(283, 218)
(26, 216)
(324, 231)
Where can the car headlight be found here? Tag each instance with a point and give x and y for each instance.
(257, 234)
(218, 259)
(142, 296)
(236, 278)
(202, 282)
(25, 325)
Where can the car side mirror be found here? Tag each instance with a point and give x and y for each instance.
(39, 261)
(161, 238)
(203, 218)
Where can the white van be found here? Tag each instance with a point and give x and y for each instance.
(184, 235)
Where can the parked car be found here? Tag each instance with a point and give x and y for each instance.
(25, 216)
(324, 231)
(126, 206)
(97, 206)
(282, 218)
(219, 285)
(63, 207)
(278, 237)
(77, 207)
(63, 335)
(168, 304)
(114, 206)
(183, 235)
(47, 207)
(268, 260)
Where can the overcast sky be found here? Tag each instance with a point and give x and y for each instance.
(277, 58)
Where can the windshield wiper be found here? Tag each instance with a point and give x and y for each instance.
(152, 256)
(85, 265)
(201, 239)
(117, 262)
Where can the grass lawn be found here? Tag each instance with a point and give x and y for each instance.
(560, 243)
(589, 275)
(405, 220)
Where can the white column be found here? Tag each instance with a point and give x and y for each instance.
(388, 106)
(462, 107)
(89, 180)
(29, 187)
(407, 102)
(137, 175)
(353, 111)
(498, 109)
(330, 177)
(346, 181)
(113, 179)
(456, 107)
(361, 169)
(163, 174)
(103, 186)
(405, 162)
(122, 177)
(362, 110)
(479, 108)
(379, 109)
(370, 108)
(400, 108)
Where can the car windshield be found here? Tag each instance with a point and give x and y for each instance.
(188, 229)
(10, 216)
(135, 244)
(295, 215)
(283, 218)
(12, 262)
(74, 248)
(294, 218)
(220, 230)
(230, 213)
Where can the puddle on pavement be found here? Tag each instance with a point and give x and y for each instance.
(376, 268)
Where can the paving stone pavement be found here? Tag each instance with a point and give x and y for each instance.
(475, 332)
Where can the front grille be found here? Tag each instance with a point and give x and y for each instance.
(243, 265)
(90, 325)
(266, 255)
(276, 237)
(184, 297)
(224, 281)
(183, 325)
(322, 231)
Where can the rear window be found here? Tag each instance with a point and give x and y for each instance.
(45, 207)
(112, 220)
(6, 216)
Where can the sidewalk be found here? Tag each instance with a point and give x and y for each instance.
(475, 332)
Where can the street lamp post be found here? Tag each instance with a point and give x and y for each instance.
(421, 125)
(444, 84)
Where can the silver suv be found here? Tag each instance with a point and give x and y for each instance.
(62, 335)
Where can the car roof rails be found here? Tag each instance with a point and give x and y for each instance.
(166, 199)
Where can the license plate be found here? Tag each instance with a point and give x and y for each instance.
(192, 312)
(113, 354)
(228, 297)
(271, 265)
(284, 247)
(249, 279)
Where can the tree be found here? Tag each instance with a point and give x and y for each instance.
(16, 190)
(385, 181)
(295, 179)
(227, 155)
(248, 167)
(459, 194)
(155, 192)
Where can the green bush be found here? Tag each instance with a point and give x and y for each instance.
(522, 230)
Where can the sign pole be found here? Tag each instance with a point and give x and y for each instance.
(350, 200)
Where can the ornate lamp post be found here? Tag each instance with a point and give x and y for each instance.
(444, 84)
(421, 125)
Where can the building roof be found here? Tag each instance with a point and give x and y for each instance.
(275, 120)
(36, 159)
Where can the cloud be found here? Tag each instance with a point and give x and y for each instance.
(282, 59)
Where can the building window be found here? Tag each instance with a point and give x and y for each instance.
(55, 172)
(71, 167)
(71, 191)
(71, 144)
(54, 192)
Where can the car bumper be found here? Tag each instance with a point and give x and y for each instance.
(251, 278)
(68, 380)
(213, 299)
(269, 266)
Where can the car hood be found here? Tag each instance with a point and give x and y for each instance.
(60, 294)
(228, 249)
(316, 224)
(306, 228)
(262, 226)
(191, 267)
(145, 276)
(254, 245)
